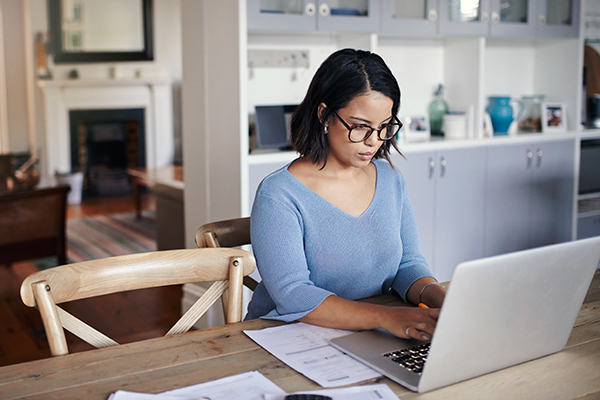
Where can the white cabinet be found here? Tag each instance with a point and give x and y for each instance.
(447, 192)
(314, 15)
(530, 194)
(257, 171)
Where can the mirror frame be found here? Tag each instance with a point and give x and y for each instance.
(63, 57)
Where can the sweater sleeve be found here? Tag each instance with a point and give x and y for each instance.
(413, 264)
(278, 245)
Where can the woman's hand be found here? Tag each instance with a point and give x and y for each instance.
(412, 323)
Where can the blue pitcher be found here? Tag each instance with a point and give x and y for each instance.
(501, 113)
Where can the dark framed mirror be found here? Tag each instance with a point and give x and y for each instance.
(84, 31)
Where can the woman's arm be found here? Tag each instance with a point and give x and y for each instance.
(427, 291)
(404, 322)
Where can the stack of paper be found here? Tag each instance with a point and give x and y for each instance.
(306, 349)
(254, 386)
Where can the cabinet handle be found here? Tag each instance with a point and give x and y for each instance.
(310, 9)
(485, 17)
(443, 169)
(324, 10)
(539, 158)
(431, 167)
(432, 15)
(529, 158)
(542, 19)
(495, 17)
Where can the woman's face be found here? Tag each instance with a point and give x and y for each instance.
(373, 109)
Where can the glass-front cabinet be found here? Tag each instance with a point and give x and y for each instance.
(311, 15)
(410, 17)
(464, 17)
(488, 17)
(517, 18)
(282, 15)
(348, 15)
(512, 17)
(558, 18)
(502, 18)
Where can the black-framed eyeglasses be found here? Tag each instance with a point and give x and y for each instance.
(360, 133)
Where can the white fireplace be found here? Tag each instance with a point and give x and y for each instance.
(153, 95)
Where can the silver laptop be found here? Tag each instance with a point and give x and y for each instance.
(498, 312)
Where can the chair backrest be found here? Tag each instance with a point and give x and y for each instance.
(45, 289)
(227, 233)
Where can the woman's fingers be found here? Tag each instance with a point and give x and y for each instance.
(417, 323)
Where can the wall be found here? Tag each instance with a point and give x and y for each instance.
(213, 95)
(22, 19)
(16, 89)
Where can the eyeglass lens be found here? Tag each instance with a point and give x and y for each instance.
(362, 132)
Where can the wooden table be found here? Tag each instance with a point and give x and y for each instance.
(161, 364)
(171, 176)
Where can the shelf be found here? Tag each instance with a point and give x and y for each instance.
(588, 204)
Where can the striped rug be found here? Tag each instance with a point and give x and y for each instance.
(111, 235)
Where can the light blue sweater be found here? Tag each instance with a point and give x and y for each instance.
(307, 249)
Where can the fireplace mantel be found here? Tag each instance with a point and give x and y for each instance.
(151, 94)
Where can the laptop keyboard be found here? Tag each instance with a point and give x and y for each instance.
(412, 358)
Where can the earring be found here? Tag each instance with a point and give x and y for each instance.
(325, 129)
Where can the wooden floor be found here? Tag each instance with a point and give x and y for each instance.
(125, 317)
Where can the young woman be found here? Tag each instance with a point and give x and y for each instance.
(336, 224)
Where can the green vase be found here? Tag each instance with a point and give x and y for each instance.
(437, 109)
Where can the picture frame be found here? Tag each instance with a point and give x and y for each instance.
(554, 118)
(75, 13)
(74, 40)
(415, 127)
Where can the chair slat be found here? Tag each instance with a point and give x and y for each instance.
(84, 331)
(198, 309)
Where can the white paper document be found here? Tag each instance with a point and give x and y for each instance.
(247, 386)
(306, 349)
(370, 392)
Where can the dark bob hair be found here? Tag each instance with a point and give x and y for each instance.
(344, 75)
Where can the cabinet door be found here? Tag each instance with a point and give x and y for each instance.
(558, 18)
(419, 172)
(552, 193)
(459, 209)
(282, 15)
(348, 15)
(464, 17)
(530, 195)
(508, 198)
(513, 18)
(410, 17)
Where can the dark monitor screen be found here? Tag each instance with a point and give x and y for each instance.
(589, 170)
(273, 126)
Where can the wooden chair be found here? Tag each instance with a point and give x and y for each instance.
(227, 233)
(46, 289)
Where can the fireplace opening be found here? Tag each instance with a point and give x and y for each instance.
(104, 143)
